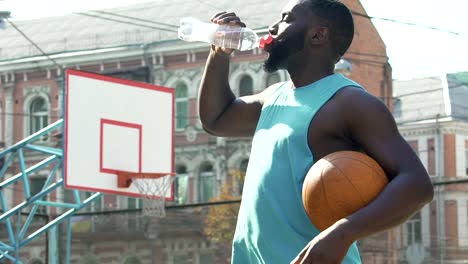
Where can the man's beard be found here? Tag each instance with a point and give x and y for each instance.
(276, 58)
(281, 51)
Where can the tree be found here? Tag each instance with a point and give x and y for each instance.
(220, 222)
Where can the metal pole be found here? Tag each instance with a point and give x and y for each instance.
(69, 235)
(53, 244)
(17, 244)
(439, 159)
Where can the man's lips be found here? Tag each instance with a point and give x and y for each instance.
(268, 45)
(265, 41)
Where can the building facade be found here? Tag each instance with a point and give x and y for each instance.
(432, 115)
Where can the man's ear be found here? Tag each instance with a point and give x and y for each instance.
(319, 35)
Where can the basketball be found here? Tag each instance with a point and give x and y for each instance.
(340, 184)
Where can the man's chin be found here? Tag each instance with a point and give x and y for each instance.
(269, 68)
(275, 61)
(271, 64)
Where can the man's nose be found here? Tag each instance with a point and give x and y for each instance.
(273, 29)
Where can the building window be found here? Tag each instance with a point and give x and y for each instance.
(95, 204)
(413, 230)
(90, 260)
(39, 115)
(245, 86)
(272, 78)
(182, 112)
(431, 157)
(179, 259)
(141, 74)
(1, 122)
(133, 260)
(2, 159)
(206, 183)
(36, 185)
(205, 258)
(69, 196)
(133, 203)
(397, 104)
(466, 157)
(181, 185)
(466, 160)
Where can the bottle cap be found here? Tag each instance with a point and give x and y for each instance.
(267, 39)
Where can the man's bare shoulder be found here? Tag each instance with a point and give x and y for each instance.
(357, 105)
(353, 97)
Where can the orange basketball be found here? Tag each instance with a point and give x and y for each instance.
(340, 184)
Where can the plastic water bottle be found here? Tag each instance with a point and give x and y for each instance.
(225, 36)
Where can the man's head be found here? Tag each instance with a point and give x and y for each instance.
(309, 29)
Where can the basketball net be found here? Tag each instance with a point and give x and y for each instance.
(153, 188)
(153, 193)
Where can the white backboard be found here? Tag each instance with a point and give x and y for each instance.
(115, 125)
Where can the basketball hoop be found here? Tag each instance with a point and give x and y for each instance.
(153, 188)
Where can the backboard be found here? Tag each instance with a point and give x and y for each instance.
(115, 125)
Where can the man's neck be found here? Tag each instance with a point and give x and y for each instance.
(307, 75)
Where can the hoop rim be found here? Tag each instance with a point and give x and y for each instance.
(125, 178)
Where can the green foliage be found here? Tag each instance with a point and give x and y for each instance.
(220, 222)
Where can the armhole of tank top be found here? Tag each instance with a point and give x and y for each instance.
(309, 150)
(350, 83)
(273, 95)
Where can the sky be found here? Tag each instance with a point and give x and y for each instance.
(413, 51)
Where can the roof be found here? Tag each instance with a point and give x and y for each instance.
(135, 24)
(431, 97)
(458, 91)
(461, 77)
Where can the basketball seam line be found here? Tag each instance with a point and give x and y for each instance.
(365, 163)
(350, 182)
(326, 196)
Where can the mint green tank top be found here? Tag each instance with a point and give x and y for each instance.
(272, 226)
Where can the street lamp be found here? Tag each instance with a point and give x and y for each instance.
(4, 15)
(344, 66)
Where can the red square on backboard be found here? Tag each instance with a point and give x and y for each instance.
(120, 146)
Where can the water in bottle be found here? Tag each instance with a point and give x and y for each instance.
(226, 36)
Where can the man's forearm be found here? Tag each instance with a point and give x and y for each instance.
(215, 94)
(402, 197)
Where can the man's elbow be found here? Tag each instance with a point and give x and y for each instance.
(211, 130)
(430, 193)
(425, 190)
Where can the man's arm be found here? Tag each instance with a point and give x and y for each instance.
(372, 127)
(221, 113)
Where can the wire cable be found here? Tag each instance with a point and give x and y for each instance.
(126, 22)
(405, 23)
(136, 18)
(34, 44)
(210, 5)
(373, 17)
